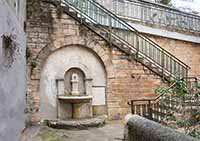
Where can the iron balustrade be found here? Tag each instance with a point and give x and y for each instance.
(153, 13)
(130, 39)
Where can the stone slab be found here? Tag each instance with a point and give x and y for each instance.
(76, 124)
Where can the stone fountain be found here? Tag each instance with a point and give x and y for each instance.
(74, 102)
(74, 97)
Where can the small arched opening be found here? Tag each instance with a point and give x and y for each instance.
(74, 82)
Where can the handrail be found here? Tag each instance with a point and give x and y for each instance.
(156, 98)
(158, 108)
(166, 7)
(191, 77)
(139, 34)
(178, 65)
(168, 15)
(164, 92)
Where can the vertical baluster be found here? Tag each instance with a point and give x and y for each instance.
(152, 109)
(110, 27)
(161, 111)
(127, 35)
(133, 11)
(153, 53)
(162, 62)
(149, 109)
(145, 46)
(137, 12)
(167, 62)
(143, 110)
(138, 109)
(150, 51)
(156, 112)
(146, 110)
(198, 25)
(175, 68)
(132, 107)
(141, 45)
(172, 65)
(156, 54)
(142, 13)
(137, 46)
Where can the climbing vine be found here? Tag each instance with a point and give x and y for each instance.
(185, 113)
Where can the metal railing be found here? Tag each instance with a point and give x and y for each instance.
(166, 103)
(117, 30)
(153, 13)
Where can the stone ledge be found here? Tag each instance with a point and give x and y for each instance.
(76, 124)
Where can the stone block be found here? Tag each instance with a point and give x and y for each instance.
(140, 129)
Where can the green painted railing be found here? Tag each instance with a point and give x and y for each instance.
(135, 43)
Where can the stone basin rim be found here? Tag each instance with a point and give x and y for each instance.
(74, 97)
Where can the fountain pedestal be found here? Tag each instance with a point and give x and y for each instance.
(81, 106)
(74, 100)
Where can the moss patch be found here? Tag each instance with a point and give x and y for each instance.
(48, 134)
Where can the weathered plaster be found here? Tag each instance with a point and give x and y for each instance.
(13, 78)
(55, 67)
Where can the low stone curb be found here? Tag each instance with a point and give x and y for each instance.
(76, 124)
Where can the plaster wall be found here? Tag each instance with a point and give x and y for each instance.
(12, 78)
(18, 7)
(61, 61)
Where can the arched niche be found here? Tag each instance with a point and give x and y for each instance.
(74, 77)
(61, 61)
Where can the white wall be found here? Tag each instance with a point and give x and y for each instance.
(19, 9)
(187, 5)
(13, 78)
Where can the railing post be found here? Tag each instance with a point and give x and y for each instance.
(162, 63)
(132, 107)
(110, 29)
(149, 109)
(137, 48)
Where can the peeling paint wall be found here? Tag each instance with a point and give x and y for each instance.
(12, 77)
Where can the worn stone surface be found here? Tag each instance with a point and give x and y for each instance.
(141, 129)
(77, 123)
(113, 131)
(12, 74)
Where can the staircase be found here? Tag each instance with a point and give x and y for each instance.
(166, 104)
(119, 33)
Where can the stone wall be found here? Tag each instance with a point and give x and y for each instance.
(50, 30)
(125, 79)
(12, 75)
(187, 52)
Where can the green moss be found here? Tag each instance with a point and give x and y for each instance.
(47, 134)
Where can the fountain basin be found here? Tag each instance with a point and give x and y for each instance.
(75, 99)
(81, 106)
